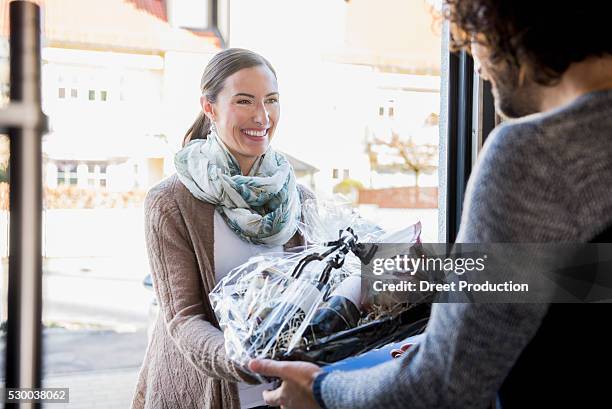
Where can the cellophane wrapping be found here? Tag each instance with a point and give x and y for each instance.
(308, 304)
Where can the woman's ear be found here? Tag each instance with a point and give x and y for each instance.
(207, 108)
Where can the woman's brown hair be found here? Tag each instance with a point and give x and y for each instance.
(221, 66)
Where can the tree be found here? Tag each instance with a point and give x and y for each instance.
(4, 158)
(412, 157)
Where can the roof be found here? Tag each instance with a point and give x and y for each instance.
(299, 166)
(156, 8)
(138, 26)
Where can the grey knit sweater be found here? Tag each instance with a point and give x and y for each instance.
(543, 178)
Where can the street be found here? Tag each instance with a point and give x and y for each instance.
(95, 313)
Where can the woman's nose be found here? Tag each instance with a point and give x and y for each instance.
(261, 115)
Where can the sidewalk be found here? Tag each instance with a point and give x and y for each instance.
(100, 367)
(98, 389)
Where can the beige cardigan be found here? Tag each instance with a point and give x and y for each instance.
(185, 365)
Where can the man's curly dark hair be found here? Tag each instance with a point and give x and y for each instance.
(541, 37)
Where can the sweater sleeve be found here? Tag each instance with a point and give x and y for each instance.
(178, 287)
(468, 349)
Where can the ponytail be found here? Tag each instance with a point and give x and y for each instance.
(198, 130)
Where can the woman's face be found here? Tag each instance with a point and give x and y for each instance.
(246, 113)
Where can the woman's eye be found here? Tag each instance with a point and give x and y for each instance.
(272, 101)
(243, 101)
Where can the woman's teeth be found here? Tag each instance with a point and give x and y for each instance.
(255, 133)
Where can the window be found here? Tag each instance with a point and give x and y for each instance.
(67, 173)
(90, 174)
(381, 137)
(103, 233)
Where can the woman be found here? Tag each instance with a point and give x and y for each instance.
(232, 197)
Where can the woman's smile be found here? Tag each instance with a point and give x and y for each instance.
(254, 134)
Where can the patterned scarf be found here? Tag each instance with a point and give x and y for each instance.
(261, 208)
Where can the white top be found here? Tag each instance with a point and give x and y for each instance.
(230, 252)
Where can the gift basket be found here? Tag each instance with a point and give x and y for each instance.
(311, 304)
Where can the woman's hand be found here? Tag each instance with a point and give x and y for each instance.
(296, 390)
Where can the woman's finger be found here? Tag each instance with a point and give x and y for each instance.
(273, 398)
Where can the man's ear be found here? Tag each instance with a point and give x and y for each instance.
(207, 108)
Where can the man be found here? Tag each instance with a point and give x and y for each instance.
(545, 177)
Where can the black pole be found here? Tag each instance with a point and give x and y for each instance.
(23, 349)
(489, 116)
(464, 130)
(460, 109)
(451, 173)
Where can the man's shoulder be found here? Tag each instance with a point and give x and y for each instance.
(582, 126)
(515, 140)
(591, 112)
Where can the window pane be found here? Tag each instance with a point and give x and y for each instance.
(369, 77)
(96, 310)
(361, 104)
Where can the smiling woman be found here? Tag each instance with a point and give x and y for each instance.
(240, 103)
(233, 197)
(246, 121)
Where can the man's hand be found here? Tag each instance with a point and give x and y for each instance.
(396, 353)
(296, 390)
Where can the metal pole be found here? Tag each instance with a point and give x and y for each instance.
(23, 363)
(460, 72)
